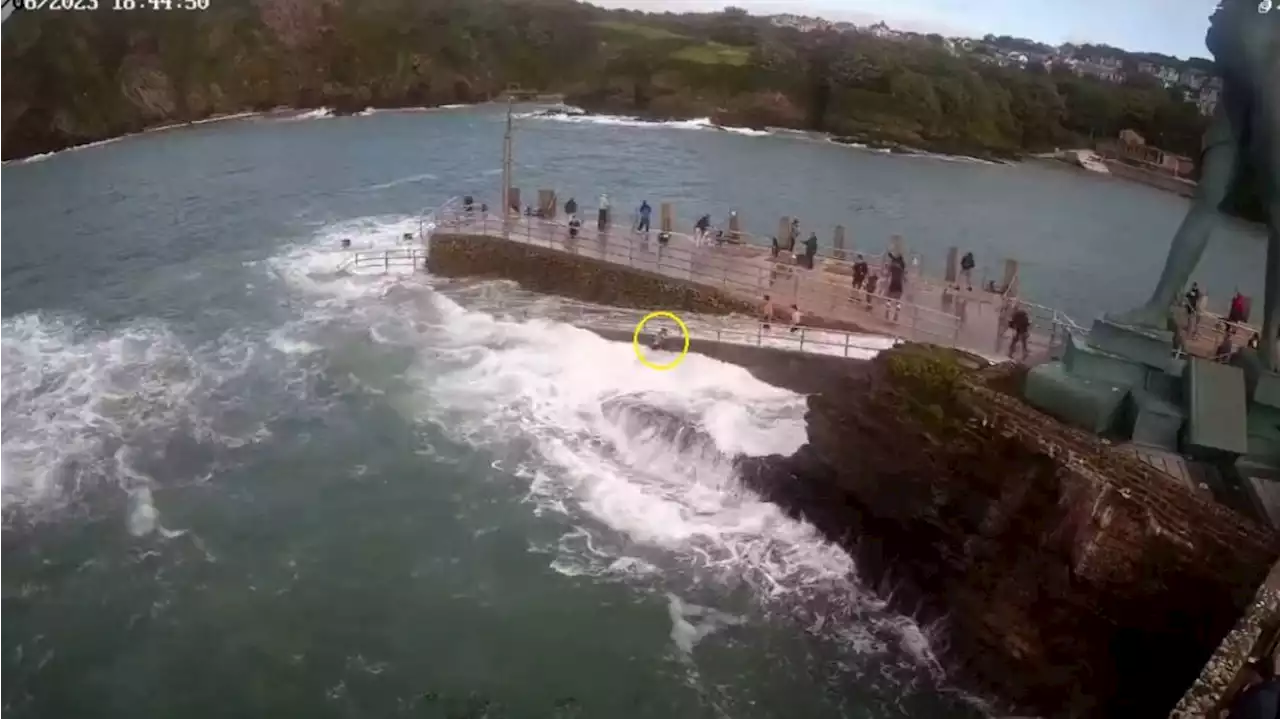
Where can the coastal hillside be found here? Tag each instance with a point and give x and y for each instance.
(76, 77)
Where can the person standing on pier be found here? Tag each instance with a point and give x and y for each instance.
(700, 229)
(1192, 304)
(872, 280)
(571, 207)
(966, 269)
(859, 272)
(645, 211)
(797, 317)
(766, 312)
(602, 222)
(1020, 323)
(897, 281)
(810, 249)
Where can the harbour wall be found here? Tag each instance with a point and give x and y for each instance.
(549, 271)
(1070, 579)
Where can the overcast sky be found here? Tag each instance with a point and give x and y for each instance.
(1173, 27)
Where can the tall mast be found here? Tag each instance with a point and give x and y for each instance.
(506, 167)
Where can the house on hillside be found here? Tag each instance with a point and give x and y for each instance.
(1207, 100)
(1194, 79)
(882, 30)
(1089, 68)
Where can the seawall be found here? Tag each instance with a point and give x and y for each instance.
(1151, 177)
(549, 271)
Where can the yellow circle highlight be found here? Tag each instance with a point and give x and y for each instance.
(635, 341)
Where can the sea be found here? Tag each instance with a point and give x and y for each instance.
(239, 481)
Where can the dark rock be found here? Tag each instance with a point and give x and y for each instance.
(1080, 588)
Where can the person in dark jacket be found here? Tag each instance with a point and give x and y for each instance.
(897, 282)
(966, 269)
(859, 272)
(571, 207)
(1020, 323)
(810, 249)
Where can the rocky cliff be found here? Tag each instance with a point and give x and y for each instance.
(1069, 581)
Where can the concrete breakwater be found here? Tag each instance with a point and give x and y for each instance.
(1070, 579)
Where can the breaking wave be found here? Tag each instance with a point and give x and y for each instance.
(639, 464)
(575, 115)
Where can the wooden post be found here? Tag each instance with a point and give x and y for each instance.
(1010, 285)
(735, 229)
(513, 196)
(897, 246)
(547, 203)
(784, 232)
(952, 274)
(837, 242)
(667, 219)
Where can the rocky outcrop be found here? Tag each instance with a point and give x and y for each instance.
(567, 275)
(1070, 581)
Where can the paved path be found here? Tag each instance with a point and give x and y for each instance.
(747, 272)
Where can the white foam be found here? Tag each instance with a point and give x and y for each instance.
(316, 114)
(557, 396)
(690, 623)
(85, 409)
(700, 123)
(422, 177)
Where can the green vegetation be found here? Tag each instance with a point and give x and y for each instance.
(713, 53)
(642, 32)
(71, 78)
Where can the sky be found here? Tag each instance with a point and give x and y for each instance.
(1172, 27)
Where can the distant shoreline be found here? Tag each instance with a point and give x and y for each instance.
(279, 113)
(1127, 173)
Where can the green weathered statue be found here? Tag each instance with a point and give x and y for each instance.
(1243, 137)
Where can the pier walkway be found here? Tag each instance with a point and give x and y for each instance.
(929, 310)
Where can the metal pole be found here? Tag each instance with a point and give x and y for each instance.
(506, 170)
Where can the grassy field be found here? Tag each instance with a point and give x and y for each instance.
(643, 32)
(703, 53)
(713, 53)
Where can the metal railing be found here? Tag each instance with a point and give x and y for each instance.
(398, 257)
(726, 267)
(809, 340)
(743, 269)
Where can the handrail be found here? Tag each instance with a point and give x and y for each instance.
(386, 258)
(742, 269)
(781, 281)
(553, 232)
(805, 339)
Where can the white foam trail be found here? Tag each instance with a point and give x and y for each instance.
(686, 632)
(423, 177)
(701, 123)
(312, 114)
